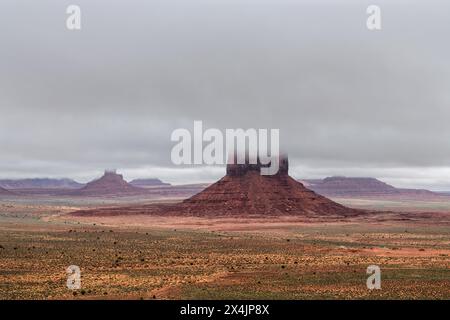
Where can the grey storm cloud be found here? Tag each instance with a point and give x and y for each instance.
(346, 100)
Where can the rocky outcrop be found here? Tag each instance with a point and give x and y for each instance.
(110, 184)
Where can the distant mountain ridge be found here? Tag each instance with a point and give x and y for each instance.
(5, 192)
(40, 183)
(361, 186)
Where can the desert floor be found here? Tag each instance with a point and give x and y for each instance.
(144, 257)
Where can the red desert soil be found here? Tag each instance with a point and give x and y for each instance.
(172, 258)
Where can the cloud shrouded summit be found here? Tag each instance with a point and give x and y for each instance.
(347, 101)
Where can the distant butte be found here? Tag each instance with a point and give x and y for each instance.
(110, 184)
(362, 187)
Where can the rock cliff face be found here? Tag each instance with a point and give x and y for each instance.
(110, 184)
(242, 169)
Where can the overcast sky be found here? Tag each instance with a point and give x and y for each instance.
(347, 101)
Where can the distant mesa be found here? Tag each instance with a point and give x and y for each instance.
(147, 183)
(40, 183)
(360, 187)
(110, 184)
(344, 186)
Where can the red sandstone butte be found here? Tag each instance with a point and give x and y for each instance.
(243, 190)
(110, 184)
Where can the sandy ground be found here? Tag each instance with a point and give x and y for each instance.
(151, 257)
